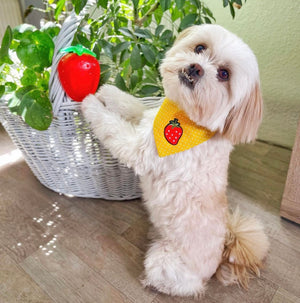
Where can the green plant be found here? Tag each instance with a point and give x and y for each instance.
(25, 58)
(129, 37)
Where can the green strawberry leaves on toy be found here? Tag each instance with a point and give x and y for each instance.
(79, 72)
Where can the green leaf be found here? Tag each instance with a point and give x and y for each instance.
(43, 81)
(29, 77)
(143, 33)
(21, 31)
(124, 56)
(207, 20)
(126, 32)
(51, 29)
(108, 47)
(158, 15)
(10, 87)
(123, 19)
(102, 3)
(135, 3)
(232, 11)
(6, 42)
(134, 79)
(225, 3)
(120, 47)
(187, 21)
(166, 36)
(2, 90)
(179, 3)
(165, 4)
(176, 14)
(15, 101)
(36, 109)
(79, 5)
(208, 12)
(36, 50)
(135, 58)
(97, 50)
(59, 7)
(239, 2)
(105, 73)
(120, 83)
(159, 29)
(83, 40)
(148, 53)
(149, 89)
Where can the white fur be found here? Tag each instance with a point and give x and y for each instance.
(185, 193)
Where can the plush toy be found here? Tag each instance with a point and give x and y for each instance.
(79, 72)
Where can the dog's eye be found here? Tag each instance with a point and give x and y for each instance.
(223, 74)
(199, 48)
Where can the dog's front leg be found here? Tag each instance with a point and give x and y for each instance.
(126, 105)
(116, 134)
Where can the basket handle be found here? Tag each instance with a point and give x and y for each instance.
(65, 37)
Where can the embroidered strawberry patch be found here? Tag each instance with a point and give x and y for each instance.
(173, 131)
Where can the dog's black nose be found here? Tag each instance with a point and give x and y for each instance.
(190, 75)
(195, 71)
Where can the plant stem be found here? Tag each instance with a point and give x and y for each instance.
(139, 21)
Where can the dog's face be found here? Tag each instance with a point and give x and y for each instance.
(213, 75)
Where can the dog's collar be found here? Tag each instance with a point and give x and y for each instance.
(174, 132)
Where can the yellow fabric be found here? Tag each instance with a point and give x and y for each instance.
(172, 139)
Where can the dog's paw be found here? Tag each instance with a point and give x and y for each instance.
(108, 96)
(91, 108)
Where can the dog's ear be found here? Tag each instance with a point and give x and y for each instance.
(242, 122)
(184, 33)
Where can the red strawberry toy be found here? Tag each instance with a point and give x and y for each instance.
(173, 132)
(79, 72)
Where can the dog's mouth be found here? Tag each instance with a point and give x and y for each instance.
(185, 78)
(190, 75)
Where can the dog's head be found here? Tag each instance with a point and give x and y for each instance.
(213, 75)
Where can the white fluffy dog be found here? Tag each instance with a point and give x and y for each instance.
(213, 77)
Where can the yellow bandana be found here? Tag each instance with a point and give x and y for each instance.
(174, 132)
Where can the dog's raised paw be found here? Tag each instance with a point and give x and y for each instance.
(91, 108)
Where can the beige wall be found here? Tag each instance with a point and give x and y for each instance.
(10, 14)
(272, 29)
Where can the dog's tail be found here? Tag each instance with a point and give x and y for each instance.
(246, 246)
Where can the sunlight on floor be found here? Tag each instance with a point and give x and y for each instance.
(10, 158)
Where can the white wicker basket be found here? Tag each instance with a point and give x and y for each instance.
(67, 157)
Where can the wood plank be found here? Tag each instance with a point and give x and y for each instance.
(67, 279)
(290, 206)
(162, 298)
(259, 170)
(282, 265)
(283, 296)
(16, 285)
(137, 233)
(113, 257)
(283, 268)
(260, 290)
(118, 215)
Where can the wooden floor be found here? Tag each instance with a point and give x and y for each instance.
(59, 249)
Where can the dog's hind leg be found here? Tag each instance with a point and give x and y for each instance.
(166, 272)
